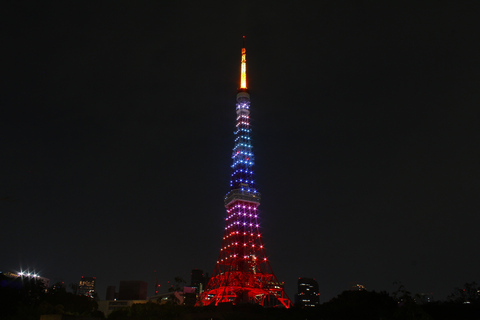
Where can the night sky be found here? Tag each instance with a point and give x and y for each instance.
(117, 123)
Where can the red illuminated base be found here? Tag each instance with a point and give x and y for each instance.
(241, 287)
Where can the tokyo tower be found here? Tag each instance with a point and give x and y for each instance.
(243, 273)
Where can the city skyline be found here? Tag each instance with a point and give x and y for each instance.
(117, 128)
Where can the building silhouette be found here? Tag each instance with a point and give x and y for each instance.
(111, 293)
(308, 295)
(86, 286)
(198, 280)
(243, 273)
(132, 290)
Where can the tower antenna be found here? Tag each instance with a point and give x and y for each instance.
(243, 68)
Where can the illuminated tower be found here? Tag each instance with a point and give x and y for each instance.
(242, 273)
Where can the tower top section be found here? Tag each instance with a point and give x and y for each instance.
(243, 70)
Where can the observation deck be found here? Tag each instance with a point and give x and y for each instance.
(238, 194)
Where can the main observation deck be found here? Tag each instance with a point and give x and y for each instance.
(238, 194)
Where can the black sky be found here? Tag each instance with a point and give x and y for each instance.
(117, 126)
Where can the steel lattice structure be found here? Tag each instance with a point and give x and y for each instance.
(242, 273)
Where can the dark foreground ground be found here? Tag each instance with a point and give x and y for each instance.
(327, 311)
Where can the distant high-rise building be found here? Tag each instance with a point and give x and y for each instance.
(308, 295)
(132, 290)
(111, 294)
(198, 280)
(86, 286)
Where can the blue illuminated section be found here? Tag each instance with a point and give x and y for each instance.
(242, 181)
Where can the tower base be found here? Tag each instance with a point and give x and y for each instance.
(242, 288)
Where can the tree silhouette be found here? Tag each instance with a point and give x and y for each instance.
(360, 305)
(178, 285)
(469, 294)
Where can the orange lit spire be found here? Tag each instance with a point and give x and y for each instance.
(243, 75)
